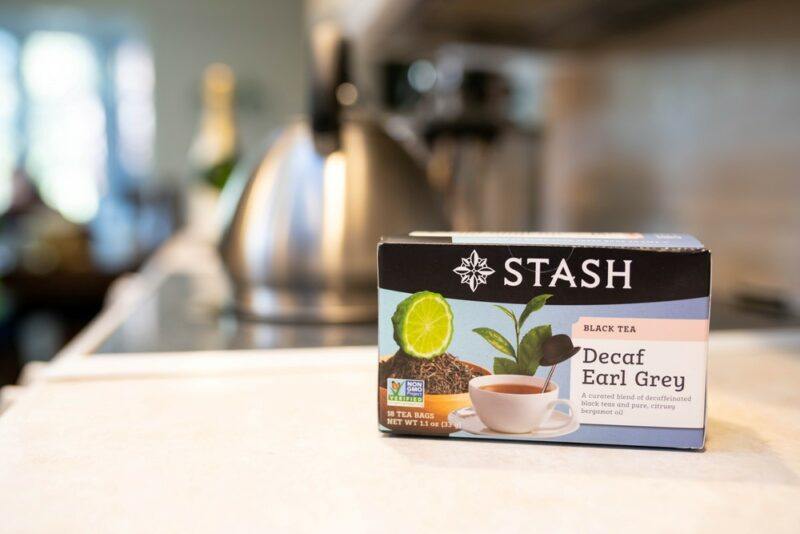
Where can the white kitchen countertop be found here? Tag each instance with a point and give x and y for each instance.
(288, 440)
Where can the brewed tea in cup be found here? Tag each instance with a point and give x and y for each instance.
(516, 404)
(516, 389)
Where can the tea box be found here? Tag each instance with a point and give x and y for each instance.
(567, 337)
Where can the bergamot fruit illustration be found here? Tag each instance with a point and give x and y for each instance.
(423, 325)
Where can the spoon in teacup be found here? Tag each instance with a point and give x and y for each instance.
(555, 350)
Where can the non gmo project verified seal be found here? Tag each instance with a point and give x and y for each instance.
(402, 392)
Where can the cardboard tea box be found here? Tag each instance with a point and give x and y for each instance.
(581, 338)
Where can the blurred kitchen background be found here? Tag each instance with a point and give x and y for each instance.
(294, 133)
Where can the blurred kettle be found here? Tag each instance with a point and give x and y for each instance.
(300, 244)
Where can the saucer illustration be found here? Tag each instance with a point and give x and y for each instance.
(467, 420)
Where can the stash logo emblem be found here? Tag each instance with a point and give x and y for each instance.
(473, 271)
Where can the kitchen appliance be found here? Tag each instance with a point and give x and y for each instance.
(664, 116)
(484, 154)
(299, 245)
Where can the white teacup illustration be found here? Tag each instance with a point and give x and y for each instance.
(522, 408)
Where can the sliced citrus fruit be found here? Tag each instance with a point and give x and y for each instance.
(423, 325)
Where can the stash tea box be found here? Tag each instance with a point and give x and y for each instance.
(574, 338)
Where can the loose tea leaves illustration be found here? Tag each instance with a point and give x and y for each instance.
(527, 352)
(443, 375)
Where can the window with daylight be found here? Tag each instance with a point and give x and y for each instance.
(76, 117)
(9, 105)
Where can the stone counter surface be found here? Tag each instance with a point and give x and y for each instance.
(288, 441)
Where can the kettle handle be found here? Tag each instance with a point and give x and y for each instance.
(328, 72)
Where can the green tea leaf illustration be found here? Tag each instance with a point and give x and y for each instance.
(527, 353)
(507, 312)
(496, 340)
(530, 348)
(535, 304)
(505, 366)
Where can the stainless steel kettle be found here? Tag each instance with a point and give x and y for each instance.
(300, 245)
